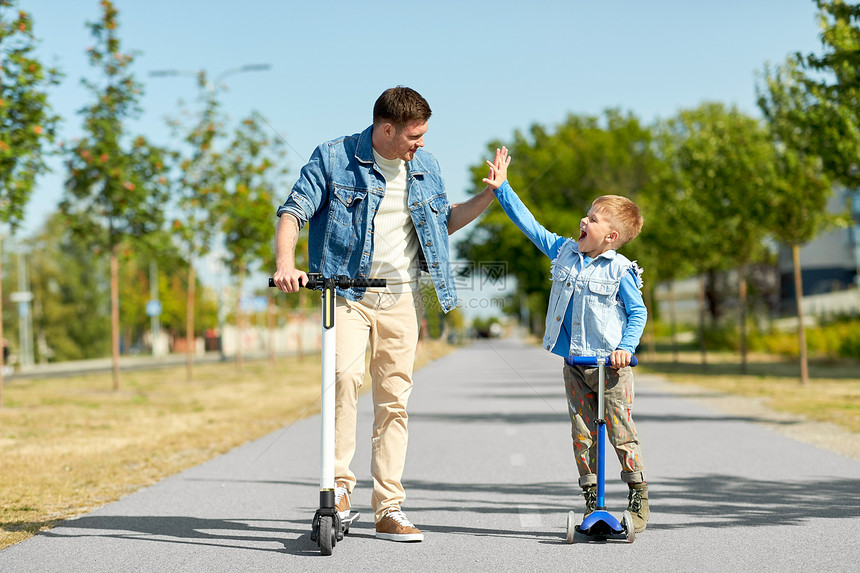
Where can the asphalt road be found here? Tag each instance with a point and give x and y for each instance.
(490, 479)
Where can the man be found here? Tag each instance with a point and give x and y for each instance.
(377, 208)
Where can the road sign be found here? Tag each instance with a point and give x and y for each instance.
(21, 296)
(153, 308)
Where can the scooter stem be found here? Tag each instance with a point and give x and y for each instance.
(601, 436)
(327, 390)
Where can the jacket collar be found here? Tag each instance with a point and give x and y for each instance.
(364, 149)
(610, 254)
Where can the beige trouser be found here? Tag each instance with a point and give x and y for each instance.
(390, 323)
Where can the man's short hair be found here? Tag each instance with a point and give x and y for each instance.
(399, 106)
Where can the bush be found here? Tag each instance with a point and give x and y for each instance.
(723, 337)
(836, 340)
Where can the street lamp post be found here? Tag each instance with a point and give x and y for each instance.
(211, 86)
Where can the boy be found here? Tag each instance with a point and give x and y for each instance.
(595, 309)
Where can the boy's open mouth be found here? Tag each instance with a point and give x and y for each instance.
(582, 235)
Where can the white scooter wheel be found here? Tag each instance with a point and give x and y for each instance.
(627, 523)
(571, 526)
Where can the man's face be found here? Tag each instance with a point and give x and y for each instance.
(406, 140)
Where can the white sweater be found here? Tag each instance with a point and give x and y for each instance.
(395, 242)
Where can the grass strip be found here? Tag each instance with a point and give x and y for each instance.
(69, 445)
(832, 394)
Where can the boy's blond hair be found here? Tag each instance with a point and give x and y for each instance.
(624, 217)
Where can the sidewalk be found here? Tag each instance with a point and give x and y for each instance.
(138, 362)
(489, 479)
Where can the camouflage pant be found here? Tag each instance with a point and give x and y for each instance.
(581, 388)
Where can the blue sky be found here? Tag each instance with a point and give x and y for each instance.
(486, 68)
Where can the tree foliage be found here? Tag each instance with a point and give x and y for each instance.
(723, 174)
(826, 90)
(200, 174)
(117, 180)
(254, 166)
(27, 123)
(557, 175)
(811, 105)
(801, 189)
(172, 281)
(70, 294)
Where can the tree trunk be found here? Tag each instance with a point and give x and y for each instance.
(652, 336)
(239, 316)
(673, 322)
(114, 313)
(189, 324)
(742, 296)
(1, 326)
(702, 311)
(801, 331)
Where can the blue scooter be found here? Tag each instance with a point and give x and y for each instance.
(599, 523)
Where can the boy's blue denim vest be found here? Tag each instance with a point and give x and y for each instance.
(598, 317)
(339, 192)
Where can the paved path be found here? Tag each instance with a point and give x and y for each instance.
(489, 479)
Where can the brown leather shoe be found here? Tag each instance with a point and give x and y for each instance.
(341, 499)
(394, 526)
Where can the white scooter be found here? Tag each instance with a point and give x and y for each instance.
(328, 528)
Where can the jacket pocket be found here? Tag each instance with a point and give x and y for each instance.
(346, 205)
(440, 210)
(438, 204)
(600, 288)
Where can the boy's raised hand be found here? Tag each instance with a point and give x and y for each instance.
(498, 168)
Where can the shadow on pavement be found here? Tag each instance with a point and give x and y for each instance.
(246, 534)
(713, 501)
(705, 501)
(732, 501)
(550, 417)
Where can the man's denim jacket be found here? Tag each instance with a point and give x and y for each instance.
(339, 191)
(600, 321)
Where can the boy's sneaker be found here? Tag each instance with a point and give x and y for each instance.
(394, 526)
(637, 497)
(589, 492)
(341, 499)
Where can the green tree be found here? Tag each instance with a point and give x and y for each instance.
(68, 283)
(663, 261)
(255, 165)
(201, 183)
(725, 168)
(558, 175)
(813, 105)
(828, 87)
(117, 178)
(802, 190)
(27, 124)
(173, 269)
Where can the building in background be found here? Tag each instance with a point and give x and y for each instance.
(829, 263)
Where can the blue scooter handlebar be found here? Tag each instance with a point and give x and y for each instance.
(592, 361)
